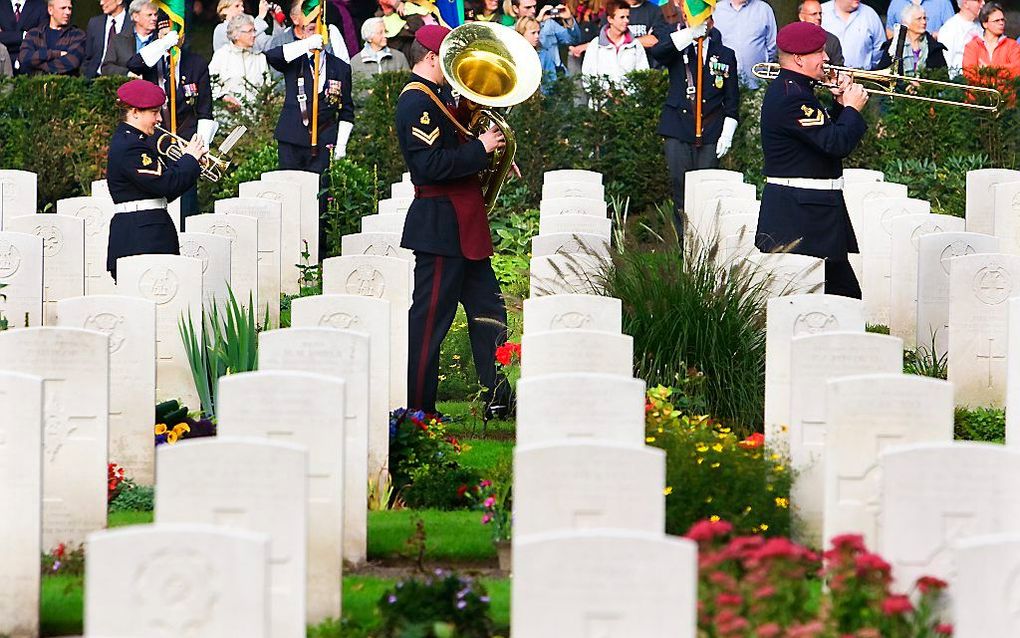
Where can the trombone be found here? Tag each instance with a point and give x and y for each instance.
(884, 83)
(214, 167)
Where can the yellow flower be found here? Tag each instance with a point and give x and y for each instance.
(782, 502)
(763, 527)
(774, 457)
(785, 429)
(700, 460)
(161, 428)
(456, 357)
(171, 437)
(649, 439)
(701, 447)
(715, 465)
(717, 447)
(182, 427)
(668, 490)
(724, 430)
(780, 468)
(708, 500)
(713, 518)
(770, 488)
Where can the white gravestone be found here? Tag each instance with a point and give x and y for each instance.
(692, 178)
(243, 233)
(576, 351)
(381, 244)
(571, 175)
(586, 190)
(21, 403)
(934, 255)
(393, 224)
(574, 485)
(604, 583)
(270, 228)
(934, 494)
(96, 212)
(985, 590)
(573, 312)
(291, 247)
(604, 407)
(402, 189)
(862, 175)
(101, 189)
(214, 253)
(18, 195)
(130, 325)
(980, 212)
(386, 278)
(74, 367)
(701, 207)
(198, 483)
(573, 207)
(858, 196)
(214, 582)
(867, 414)
(301, 408)
(21, 274)
(566, 274)
(372, 317)
(571, 244)
(979, 286)
(736, 237)
(907, 231)
(815, 359)
(590, 224)
(308, 182)
(396, 205)
(787, 273)
(1006, 210)
(174, 283)
(875, 239)
(1013, 373)
(63, 240)
(343, 354)
(796, 316)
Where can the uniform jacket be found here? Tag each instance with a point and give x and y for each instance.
(36, 56)
(720, 90)
(33, 14)
(135, 171)
(438, 156)
(335, 102)
(122, 49)
(95, 34)
(801, 139)
(194, 93)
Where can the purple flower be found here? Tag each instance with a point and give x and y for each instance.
(56, 565)
(484, 599)
(391, 599)
(461, 604)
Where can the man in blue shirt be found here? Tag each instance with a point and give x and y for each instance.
(938, 11)
(859, 30)
(749, 28)
(558, 28)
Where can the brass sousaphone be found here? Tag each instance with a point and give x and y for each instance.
(494, 68)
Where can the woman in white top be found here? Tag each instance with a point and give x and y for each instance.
(615, 52)
(227, 9)
(237, 71)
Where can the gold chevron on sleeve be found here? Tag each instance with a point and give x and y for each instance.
(155, 172)
(428, 138)
(817, 120)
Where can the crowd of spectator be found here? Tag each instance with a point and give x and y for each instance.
(591, 38)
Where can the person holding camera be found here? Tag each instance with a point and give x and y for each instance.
(227, 9)
(558, 28)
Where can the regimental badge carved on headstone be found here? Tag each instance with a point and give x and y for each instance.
(992, 285)
(1016, 203)
(571, 321)
(53, 239)
(185, 578)
(341, 320)
(110, 324)
(275, 196)
(197, 251)
(93, 218)
(366, 281)
(383, 250)
(159, 285)
(958, 248)
(923, 229)
(9, 189)
(814, 322)
(224, 230)
(10, 259)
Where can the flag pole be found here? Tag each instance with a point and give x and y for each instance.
(697, 95)
(173, 94)
(315, 84)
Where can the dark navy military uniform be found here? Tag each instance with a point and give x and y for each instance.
(720, 98)
(134, 172)
(801, 139)
(448, 230)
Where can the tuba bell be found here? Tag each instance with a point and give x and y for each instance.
(494, 68)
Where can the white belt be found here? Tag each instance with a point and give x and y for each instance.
(808, 182)
(139, 204)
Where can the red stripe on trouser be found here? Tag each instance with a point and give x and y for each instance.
(430, 319)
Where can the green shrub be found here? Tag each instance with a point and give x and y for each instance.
(441, 605)
(137, 498)
(685, 312)
(458, 380)
(944, 184)
(422, 450)
(922, 360)
(713, 474)
(440, 487)
(981, 424)
(353, 193)
(374, 139)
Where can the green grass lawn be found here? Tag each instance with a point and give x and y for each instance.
(462, 424)
(450, 537)
(486, 454)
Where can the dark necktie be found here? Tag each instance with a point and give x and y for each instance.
(17, 12)
(109, 36)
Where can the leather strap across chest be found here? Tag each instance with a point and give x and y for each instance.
(439, 103)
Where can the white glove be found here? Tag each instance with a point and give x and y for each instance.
(152, 52)
(343, 135)
(729, 127)
(207, 129)
(684, 37)
(294, 50)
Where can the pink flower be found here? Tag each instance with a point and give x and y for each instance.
(485, 483)
(489, 502)
(868, 562)
(944, 629)
(896, 604)
(852, 542)
(728, 600)
(769, 630)
(706, 530)
(926, 584)
(486, 519)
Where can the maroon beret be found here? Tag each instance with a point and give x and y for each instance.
(431, 36)
(801, 38)
(141, 94)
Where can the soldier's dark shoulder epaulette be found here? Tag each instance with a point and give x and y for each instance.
(792, 88)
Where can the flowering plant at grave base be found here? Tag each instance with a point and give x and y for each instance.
(173, 423)
(441, 605)
(114, 478)
(64, 559)
(508, 362)
(713, 474)
(753, 587)
(495, 500)
(422, 450)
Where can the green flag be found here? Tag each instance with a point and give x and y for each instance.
(175, 10)
(697, 11)
(311, 10)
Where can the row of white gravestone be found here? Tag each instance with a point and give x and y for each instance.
(590, 554)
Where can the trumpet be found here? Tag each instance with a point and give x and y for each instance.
(214, 167)
(885, 83)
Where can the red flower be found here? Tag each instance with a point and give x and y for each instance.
(59, 551)
(508, 353)
(756, 440)
(728, 600)
(851, 542)
(926, 584)
(868, 562)
(896, 604)
(706, 530)
(944, 629)
(461, 491)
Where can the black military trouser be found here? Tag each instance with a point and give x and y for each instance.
(840, 279)
(439, 284)
(680, 158)
(292, 157)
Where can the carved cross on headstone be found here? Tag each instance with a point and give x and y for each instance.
(812, 431)
(60, 424)
(990, 357)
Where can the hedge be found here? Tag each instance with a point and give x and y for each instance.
(59, 127)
